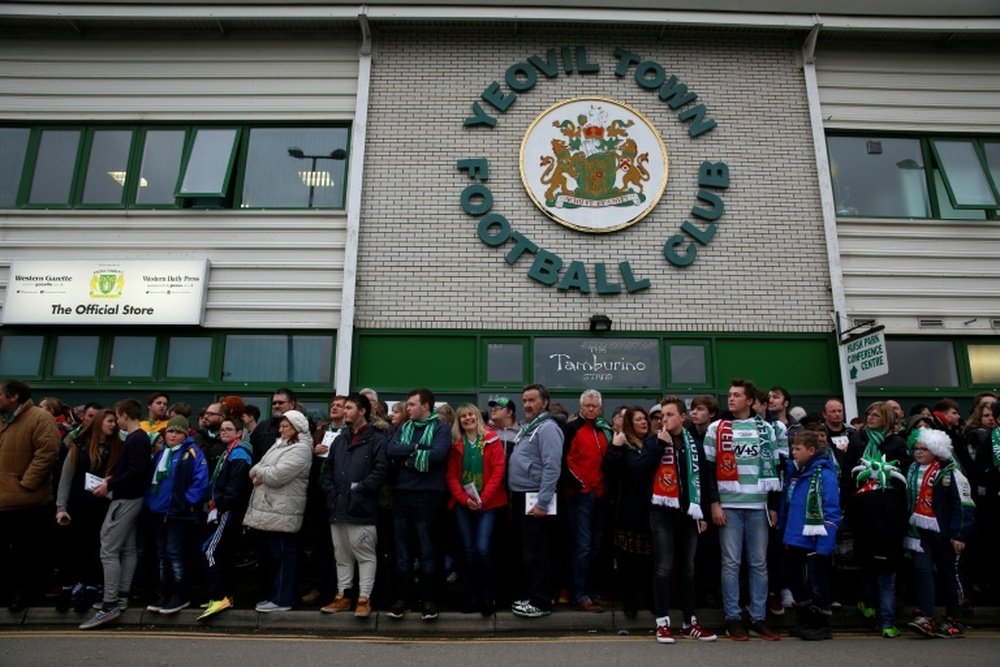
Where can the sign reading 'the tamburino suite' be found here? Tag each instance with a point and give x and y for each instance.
(96, 292)
(611, 363)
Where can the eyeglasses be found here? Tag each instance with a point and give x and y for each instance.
(212, 414)
(279, 402)
(227, 428)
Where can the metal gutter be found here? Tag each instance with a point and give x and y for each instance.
(359, 130)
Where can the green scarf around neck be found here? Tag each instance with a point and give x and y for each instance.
(422, 449)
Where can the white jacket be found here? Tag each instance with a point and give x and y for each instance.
(278, 504)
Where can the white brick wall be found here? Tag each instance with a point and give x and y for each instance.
(422, 265)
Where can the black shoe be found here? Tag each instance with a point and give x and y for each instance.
(429, 612)
(817, 626)
(488, 609)
(397, 610)
(175, 604)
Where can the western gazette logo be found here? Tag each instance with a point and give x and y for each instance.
(594, 164)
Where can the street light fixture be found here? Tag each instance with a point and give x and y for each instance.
(311, 177)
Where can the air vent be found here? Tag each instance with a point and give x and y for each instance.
(995, 322)
(930, 323)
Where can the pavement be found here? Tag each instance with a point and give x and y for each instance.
(562, 622)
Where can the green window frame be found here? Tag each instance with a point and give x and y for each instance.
(963, 167)
(930, 177)
(484, 362)
(668, 364)
(56, 164)
(207, 168)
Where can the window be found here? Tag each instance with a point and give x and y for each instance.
(150, 166)
(277, 358)
(918, 363)
(504, 363)
(295, 168)
(984, 363)
(132, 356)
(161, 162)
(76, 356)
(13, 148)
(20, 356)
(965, 178)
(55, 160)
(189, 357)
(953, 178)
(107, 168)
(209, 163)
(687, 364)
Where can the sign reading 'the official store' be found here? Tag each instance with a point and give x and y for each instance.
(95, 292)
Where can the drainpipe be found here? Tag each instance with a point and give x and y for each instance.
(829, 214)
(359, 129)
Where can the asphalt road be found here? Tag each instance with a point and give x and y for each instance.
(145, 648)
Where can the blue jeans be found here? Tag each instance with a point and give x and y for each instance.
(414, 517)
(880, 587)
(172, 538)
(476, 531)
(744, 527)
(586, 524)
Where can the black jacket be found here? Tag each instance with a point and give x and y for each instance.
(231, 489)
(352, 475)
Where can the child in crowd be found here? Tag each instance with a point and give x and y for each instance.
(941, 507)
(810, 515)
(180, 479)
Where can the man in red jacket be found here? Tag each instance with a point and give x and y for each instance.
(588, 437)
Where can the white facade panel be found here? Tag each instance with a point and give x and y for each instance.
(902, 271)
(928, 89)
(268, 270)
(196, 79)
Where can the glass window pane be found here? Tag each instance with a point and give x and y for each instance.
(161, 164)
(132, 356)
(918, 363)
(20, 355)
(984, 362)
(189, 357)
(106, 167)
(75, 355)
(312, 358)
(295, 168)
(210, 162)
(505, 362)
(992, 151)
(687, 364)
(948, 212)
(13, 146)
(878, 177)
(278, 358)
(964, 173)
(53, 177)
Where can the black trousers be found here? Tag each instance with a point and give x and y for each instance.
(537, 535)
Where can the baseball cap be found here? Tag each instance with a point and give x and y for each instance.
(501, 401)
(656, 408)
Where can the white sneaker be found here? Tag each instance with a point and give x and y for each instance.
(787, 601)
(268, 607)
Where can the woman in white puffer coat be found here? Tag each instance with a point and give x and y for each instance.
(278, 503)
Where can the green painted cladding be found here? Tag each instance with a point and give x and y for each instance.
(803, 366)
(405, 361)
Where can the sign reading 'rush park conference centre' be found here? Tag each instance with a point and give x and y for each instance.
(594, 165)
(95, 292)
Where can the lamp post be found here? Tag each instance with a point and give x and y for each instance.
(299, 154)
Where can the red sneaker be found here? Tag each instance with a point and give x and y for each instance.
(695, 631)
(664, 635)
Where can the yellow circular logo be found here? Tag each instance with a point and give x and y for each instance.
(594, 164)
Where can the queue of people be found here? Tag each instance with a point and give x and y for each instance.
(677, 507)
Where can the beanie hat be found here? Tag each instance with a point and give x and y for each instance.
(178, 423)
(937, 443)
(297, 420)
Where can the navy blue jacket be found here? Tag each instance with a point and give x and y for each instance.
(408, 478)
(180, 494)
(352, 475)
(231, 488)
